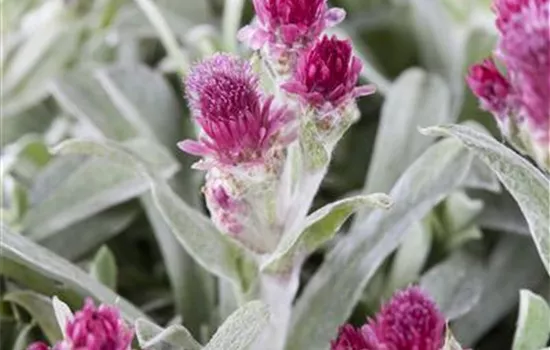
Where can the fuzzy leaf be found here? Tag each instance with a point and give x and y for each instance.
(415, 99)
(320, 227)
(151, 336)
(341, 279)
(533, 326)
(104, 268)
(192, 229)
(241, 328)
(525, 183)
(455, 284)
(513, 265)
(23, 251)
(40, 308)
(96, 185)
(63, 314)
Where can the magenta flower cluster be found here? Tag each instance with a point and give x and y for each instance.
(240, 124)
(244, 131)
(409, 321)
(92, 328)
(288, 27)
(523, 48)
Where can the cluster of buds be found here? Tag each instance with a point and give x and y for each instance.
(246, 134)
(519, 98)
(409, 321)
(92, 328)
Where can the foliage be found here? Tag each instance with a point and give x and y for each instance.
(98, 201)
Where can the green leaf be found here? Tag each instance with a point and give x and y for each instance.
(525, 183)
(339, 283)
(410, 257)
(190, 282)
(104, 268)
(231, 22)
(23, 338)
(455, 284)
(512, 265)
(319, 228)
(63, 314)
(19, 249)
(82, 96)
(241, 328)
(166, 36)
(96, 185)
(415, 99)
(151, 336)
(33, 120)
(84, 236)
(40, 308)
(502, 213)
(192, 229)
(533, 326)
(436, 38)
(145, 98)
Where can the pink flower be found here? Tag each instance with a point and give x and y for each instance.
(409, 321)
(93, 328)
(99, 328)
(289, 24)
(524, 48)
(239, 125)
(326, 76)
(491, 87)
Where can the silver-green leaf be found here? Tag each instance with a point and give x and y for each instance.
(151, 336)
(241, 328)
(320, 227)
(527, 184)
(533, 326)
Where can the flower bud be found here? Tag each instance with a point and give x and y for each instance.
(325, 82)
(287, 27)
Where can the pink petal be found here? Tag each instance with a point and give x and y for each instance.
(364, 90)
(193, 147)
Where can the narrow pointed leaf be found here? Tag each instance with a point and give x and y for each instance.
(241, 328)
(533, 326)
(27, 253)
(151, 336)
(526, 184)
(320, 227)
(337, 286)
(41, 310)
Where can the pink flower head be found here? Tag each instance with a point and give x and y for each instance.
(289, 24)
(524, 48)
(410, 321)
(326, 76)
(491, 87)
(239, 125)
(94, 328)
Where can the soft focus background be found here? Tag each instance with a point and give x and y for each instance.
(113, 69)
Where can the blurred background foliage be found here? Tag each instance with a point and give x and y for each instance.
(105, 69)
